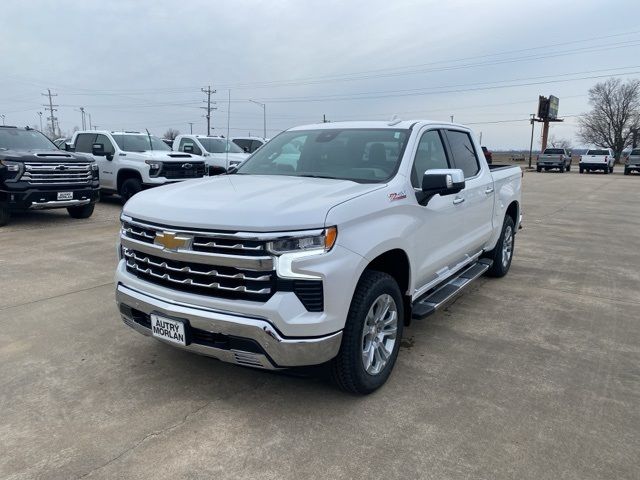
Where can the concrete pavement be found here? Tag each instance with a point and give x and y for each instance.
(534, 376)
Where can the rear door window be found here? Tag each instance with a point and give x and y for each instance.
(464, 154)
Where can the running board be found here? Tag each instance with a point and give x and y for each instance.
(442, 294)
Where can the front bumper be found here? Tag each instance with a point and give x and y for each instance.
(234, 338)
(38, 199)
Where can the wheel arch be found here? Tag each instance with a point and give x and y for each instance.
(125, 174)
(395, 262)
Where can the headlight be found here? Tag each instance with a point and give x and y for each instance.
(305, 243)
(154, 166)
(94, 167)
(11, 166)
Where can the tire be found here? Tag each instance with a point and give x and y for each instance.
(82, 211)
(569, 168)
(581, 169)
(502, 254)
(626, 171)
(129, 188)
(538, 169)
(606, 170)
(611, 169)
(349, 369)
(4, 214)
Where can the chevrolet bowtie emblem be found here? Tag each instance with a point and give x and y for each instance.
(172, 241)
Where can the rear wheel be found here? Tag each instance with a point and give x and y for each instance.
(83, 211)
(538, 169)
(4, 214)
(371, 336)
(581, 169)
(129, 188)
(626, 171)
(503, 252)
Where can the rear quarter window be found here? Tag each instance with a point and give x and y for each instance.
(464, 154)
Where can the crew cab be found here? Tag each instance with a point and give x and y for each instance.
(319, 256)
(35, 175)
(132, 161)
(559, 158)
(632, 162)
(219, 153)
(597, 159)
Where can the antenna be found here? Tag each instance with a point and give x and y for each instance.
(228, 120)
(394, 120)
(149, 136)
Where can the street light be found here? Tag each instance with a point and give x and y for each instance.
(264, 117)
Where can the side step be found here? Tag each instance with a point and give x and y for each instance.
(442, 294)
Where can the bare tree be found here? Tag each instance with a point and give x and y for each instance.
(555, 142)
(614, 116)
(171, 134)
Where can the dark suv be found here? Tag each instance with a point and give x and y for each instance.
(35, 175)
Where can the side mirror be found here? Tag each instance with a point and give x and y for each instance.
(97, 149)
(445, 181)
(188, 149)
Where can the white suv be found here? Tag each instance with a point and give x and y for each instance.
(132, 161)
(219, 153)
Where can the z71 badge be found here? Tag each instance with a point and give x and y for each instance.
(397, 196)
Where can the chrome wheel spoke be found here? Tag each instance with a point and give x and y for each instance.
(379, 334)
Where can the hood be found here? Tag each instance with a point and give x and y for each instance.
(162, 156)
(258, 203)
(52, 155)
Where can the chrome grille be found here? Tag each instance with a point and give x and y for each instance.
(54, 173)
(198, 278)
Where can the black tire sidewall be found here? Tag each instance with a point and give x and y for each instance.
(129, 188)
(371, 285)
(4, 214)
(498, 269)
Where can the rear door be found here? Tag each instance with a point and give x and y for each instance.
(475, 203)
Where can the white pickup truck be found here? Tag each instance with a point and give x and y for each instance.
(597, 159)
(320, 248)
(132, 161)
(218, 153)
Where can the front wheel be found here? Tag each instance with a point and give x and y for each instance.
(502, 254)
(371, 336)
(626, 171)
(581, 170)
(82, 211)
(129, 188)
(538, 169)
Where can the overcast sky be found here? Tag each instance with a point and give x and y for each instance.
(141, 64)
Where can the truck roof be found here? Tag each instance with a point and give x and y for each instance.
(392, 125)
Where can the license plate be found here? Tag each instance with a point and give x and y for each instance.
(65, 195)
(168, 329)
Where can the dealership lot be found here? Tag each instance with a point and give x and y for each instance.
(536, 375)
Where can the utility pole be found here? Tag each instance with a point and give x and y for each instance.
(324, 118)
(451, 118)
(208, 108)
(2, 116)
(480, 138)
(264, 117)
(84, 123)
(40, 115)
(533, 119)
(51, 109)
(190, 127)
(90, 127)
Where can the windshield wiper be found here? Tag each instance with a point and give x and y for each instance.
(317, 176)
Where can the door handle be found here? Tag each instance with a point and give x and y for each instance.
(488, 190)
(458, 200)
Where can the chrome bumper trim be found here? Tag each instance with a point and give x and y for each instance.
(238, 261)
(58, 204)
(282, 352)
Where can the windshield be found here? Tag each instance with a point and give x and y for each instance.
(635, 152)
(360, 155)
(139, 143)
(15, 139)
(553, 151)
(219, 145)
(597, 152)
